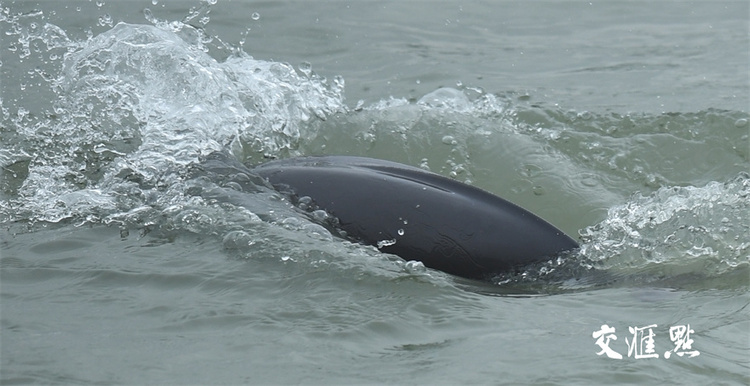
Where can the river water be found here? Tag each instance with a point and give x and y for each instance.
(625, 124)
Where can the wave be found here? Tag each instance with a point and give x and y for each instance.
(692, 232)
(134, 111)
(677, 237)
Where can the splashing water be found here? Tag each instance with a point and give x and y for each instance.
(676, 230)
(137, 102)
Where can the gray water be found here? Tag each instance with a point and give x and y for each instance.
(625, 124)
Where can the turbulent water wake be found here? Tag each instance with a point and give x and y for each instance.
(129, 115)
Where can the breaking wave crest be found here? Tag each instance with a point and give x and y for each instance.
(676, 231)
(137, 103)
(682, 237)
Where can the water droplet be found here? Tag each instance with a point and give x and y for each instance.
(154, 2)
(413, 266)
(149, 16)
(319, 215)
(304, 202)
(742, 122)
(306, 68)
(449, 140)
(255, 16)
(400, 232)
(105, 19)
(99, 3)
(386, 243)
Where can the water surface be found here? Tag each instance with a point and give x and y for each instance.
(625, 124)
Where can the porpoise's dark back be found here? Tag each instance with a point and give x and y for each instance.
(419, 215)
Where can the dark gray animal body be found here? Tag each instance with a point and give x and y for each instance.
(418, 215)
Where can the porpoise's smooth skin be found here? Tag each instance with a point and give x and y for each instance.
(419, 215)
